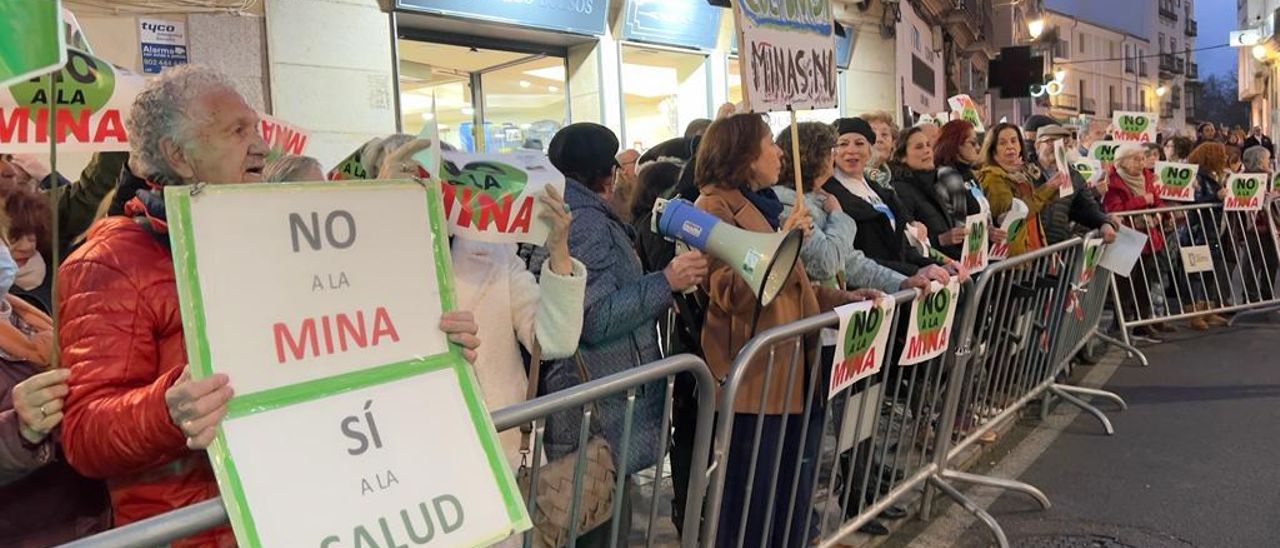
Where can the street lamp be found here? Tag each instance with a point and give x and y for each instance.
(1260, 52)
(1060, 75)
(1035, 27)
(1163, 89)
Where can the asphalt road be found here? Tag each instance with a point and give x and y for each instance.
(1195, 460)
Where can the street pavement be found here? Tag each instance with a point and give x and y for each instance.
(1195, 461)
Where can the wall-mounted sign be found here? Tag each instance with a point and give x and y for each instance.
(163, 42)
(673, 22)
(1245, 38)
(576, 16)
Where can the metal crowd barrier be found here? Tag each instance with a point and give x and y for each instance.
(162, 529)
(1026, 319)
(1200, 260)
(1273, 209)
(841, 462)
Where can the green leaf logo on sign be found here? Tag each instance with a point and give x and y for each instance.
(863, 327)
(1015, 229)
(933, 311)
(977, 238)
(1085, 169)
(1135, 124)
(492, 179)
(1245, 187)
(1091, 256)
(85, 86)
(1176, 177)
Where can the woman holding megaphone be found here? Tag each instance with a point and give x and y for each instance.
(736, 164)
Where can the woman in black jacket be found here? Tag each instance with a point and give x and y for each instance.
(915, 178)
(880, 217)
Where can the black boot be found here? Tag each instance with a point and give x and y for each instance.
(874, 528)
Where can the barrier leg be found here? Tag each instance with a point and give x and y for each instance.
(1269, 312)
(1119, 401)
(1123, 345)
(972, 508)
(1106, 423)
(998, 483)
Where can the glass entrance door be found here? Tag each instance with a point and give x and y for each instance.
(482, 99)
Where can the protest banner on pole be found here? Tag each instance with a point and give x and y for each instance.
(864, 332)
(963, 106)
(1173, 181)
(345, 385)
(929, 327)
(1139, 127)
(1014, 222)
(34, 42)
(788, 54)
(1245, 191)
(494, 197)
(974, 255)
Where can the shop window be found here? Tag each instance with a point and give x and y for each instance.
(662, 91)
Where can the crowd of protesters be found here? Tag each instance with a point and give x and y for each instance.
(117, 432)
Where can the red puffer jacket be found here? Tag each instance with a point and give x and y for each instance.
(121, 333)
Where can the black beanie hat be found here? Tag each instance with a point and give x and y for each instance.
(584, 150)
(855, 125)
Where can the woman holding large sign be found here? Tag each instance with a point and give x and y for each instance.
(737, 158)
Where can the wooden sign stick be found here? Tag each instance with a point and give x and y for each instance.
(795, 156)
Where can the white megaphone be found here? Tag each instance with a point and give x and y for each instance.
(764, 260)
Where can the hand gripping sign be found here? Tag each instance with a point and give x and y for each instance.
(1173, 181)
(864, 332)
(1244, 192)
(929, 330)
(346, 390)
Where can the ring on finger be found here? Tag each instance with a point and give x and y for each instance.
(43, 412)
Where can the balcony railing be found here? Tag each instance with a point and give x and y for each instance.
(1116, 105)
(1193, 28)
(1193, 71)
(1128, 65)
(1166, 62)
(1179, 65)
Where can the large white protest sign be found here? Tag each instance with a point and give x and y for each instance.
(494, 197)
(864, 332)
(1134, 126)
(788, 54)
(345, 386)
(929, 328)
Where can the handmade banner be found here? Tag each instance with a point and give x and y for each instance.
(1134, 126)
(974, 253)
(1245, 192)
(788, 54)
(282, 137)
(1089, 169)
(350, 168)
(1061, 161)
(33, 43)
(1014, 223)
(91, 104)
(929, 329)
(864, 331)
(345, 386)
(963, 107)
(1173, 181)
(494, 197)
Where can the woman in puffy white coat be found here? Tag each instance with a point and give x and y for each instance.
(511, 308)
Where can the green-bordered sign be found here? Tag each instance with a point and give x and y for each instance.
(355, 421)
(1134, 126)
(1244, 192)
(1174, 180)
(1104, 152)
(974, 255)
(31, 39)
(864, 332)
(929, 330)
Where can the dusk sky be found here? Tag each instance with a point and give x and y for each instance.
(1215, 23)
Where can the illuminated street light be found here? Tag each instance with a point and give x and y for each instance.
(1163, 89)
(1036, 27)
(1060, 74)
(1260, 52)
